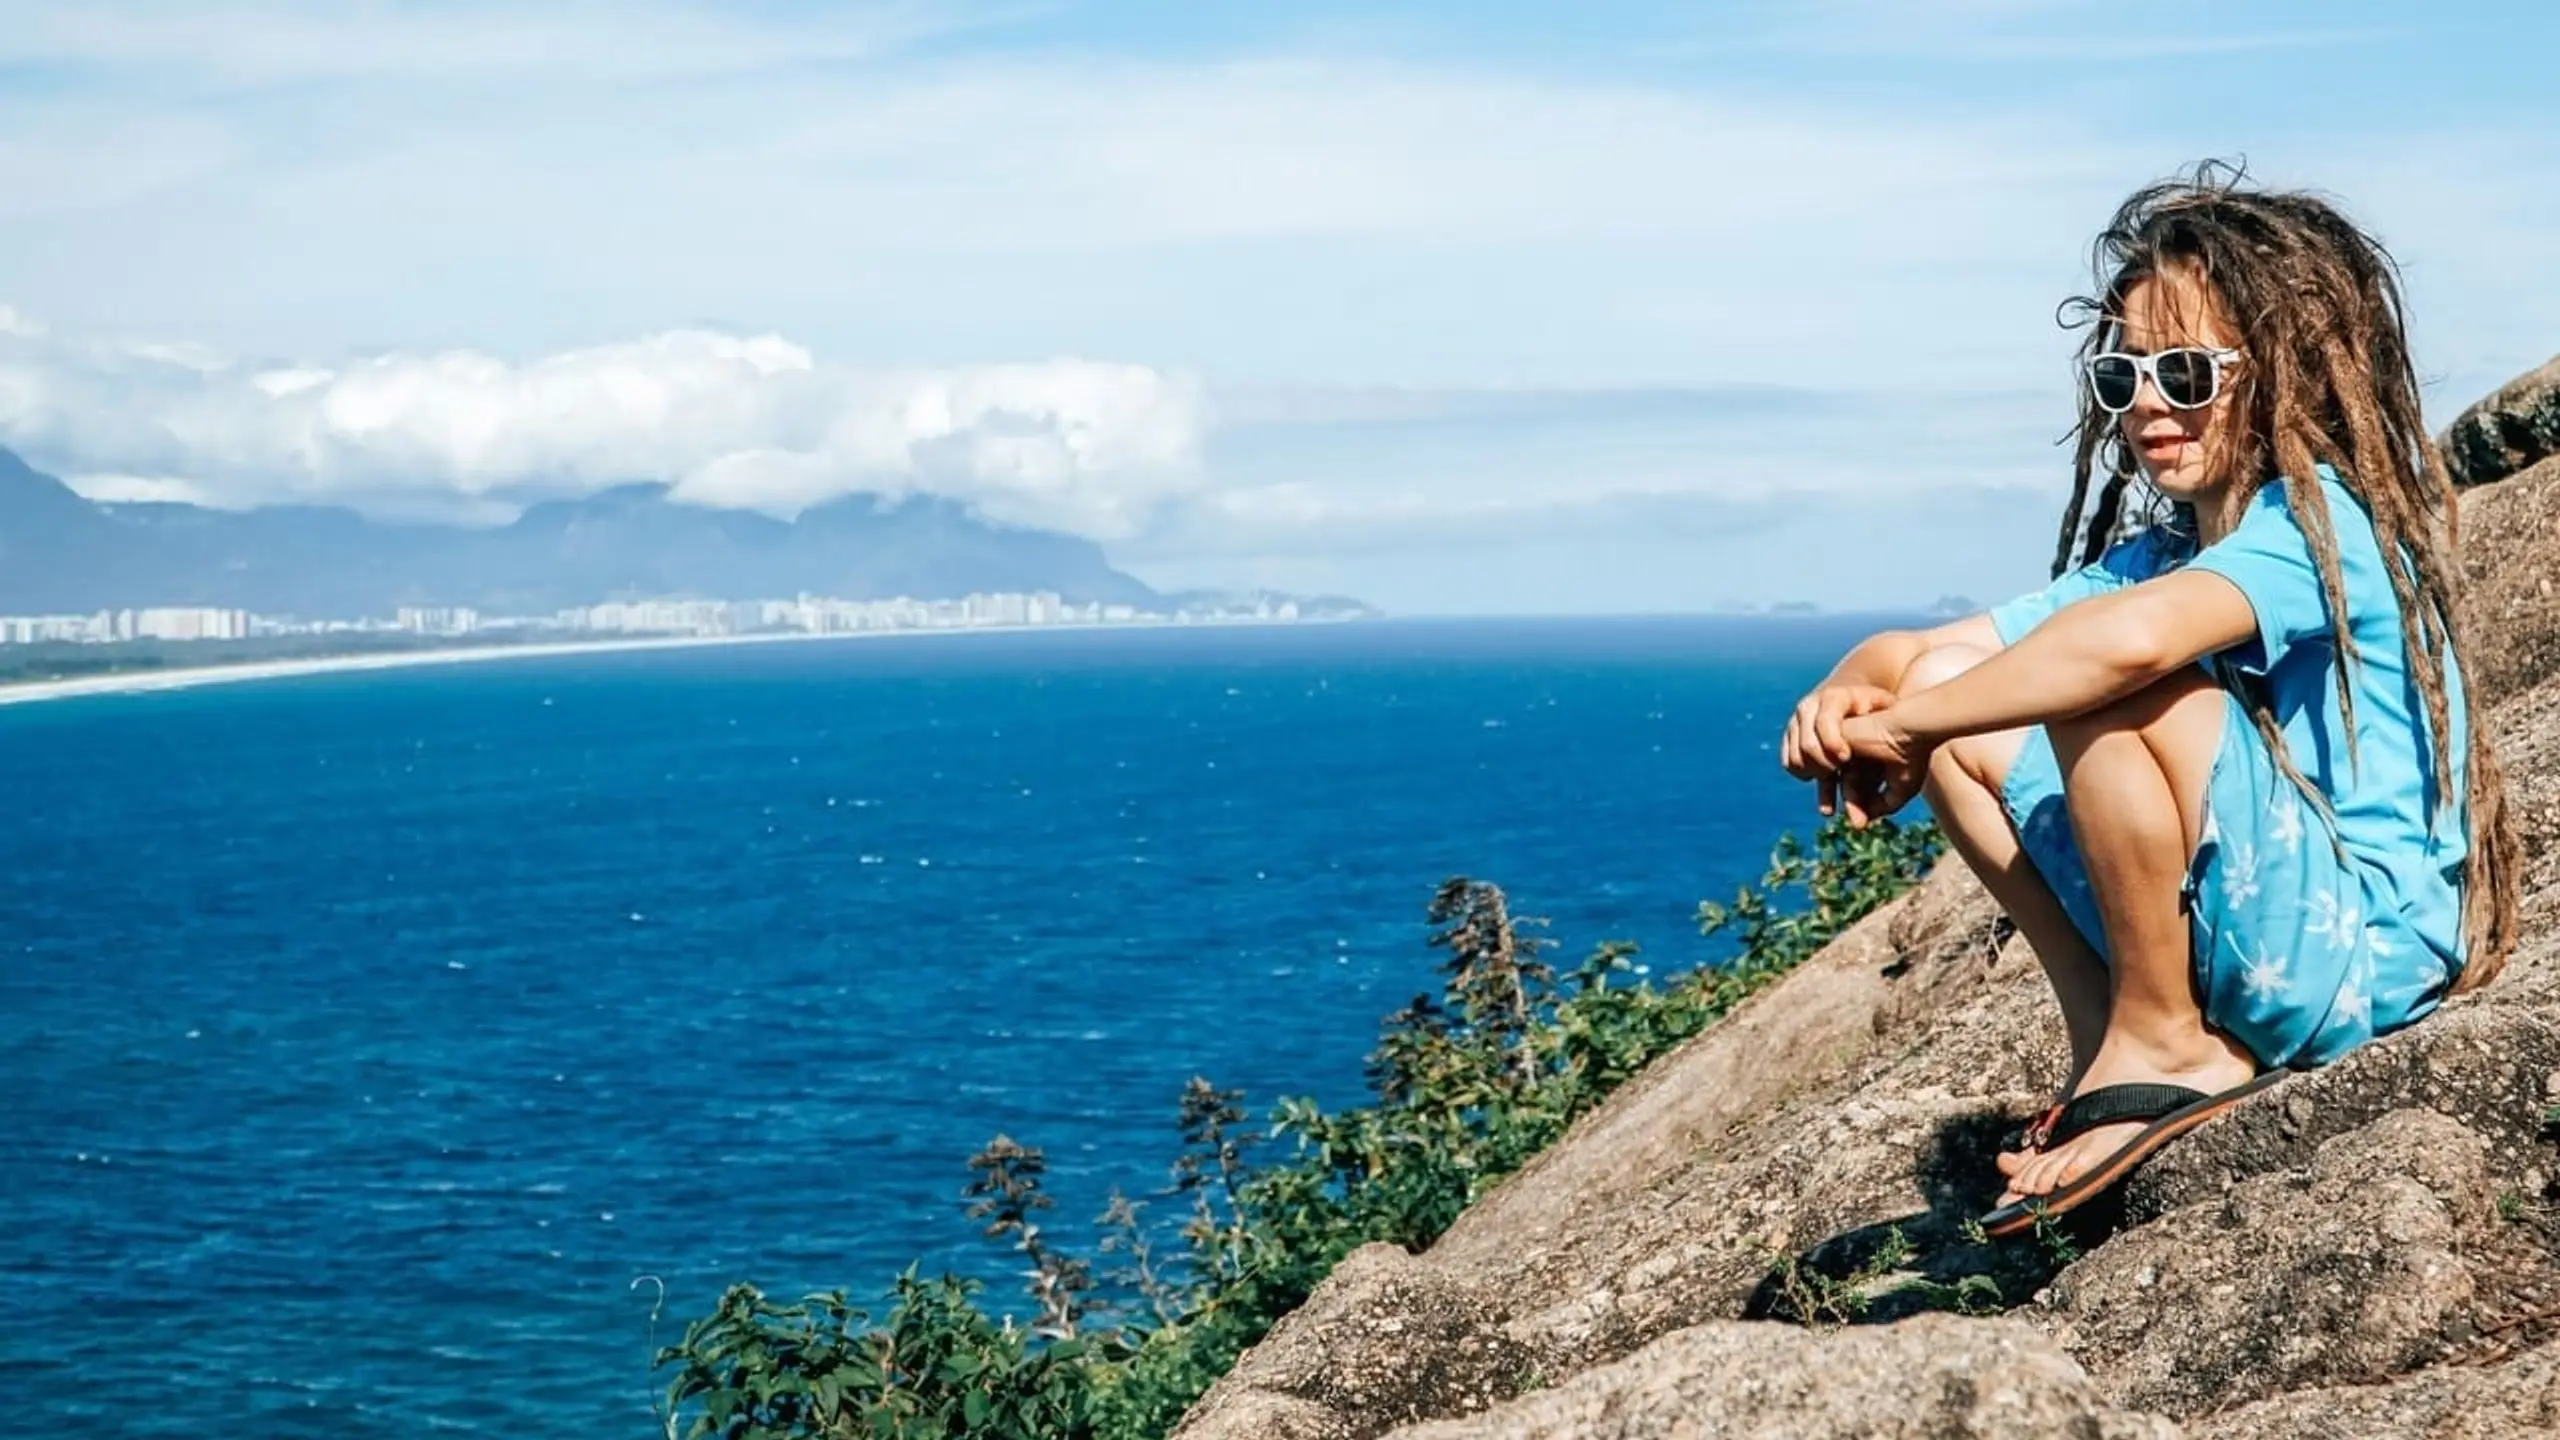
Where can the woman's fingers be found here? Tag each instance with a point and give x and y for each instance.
(1902, 785)
(1802, 747)
(1837, 704)
(1857, 764)
(1876, 799)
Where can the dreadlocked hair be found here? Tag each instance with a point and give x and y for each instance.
(2326, 379)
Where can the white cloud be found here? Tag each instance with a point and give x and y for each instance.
(731, 421)
(1182, 481)
(158, 489)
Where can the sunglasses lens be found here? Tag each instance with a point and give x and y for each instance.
(2112, 378)
(2187, 378)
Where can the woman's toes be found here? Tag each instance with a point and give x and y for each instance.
(2067, 1165)
(2023, 1184)
(2047, 1175)
(2073, 1163)
(2013, 1161)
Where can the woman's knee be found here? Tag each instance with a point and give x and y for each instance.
(1981, 761)
(1937, 665)
(2174, 726)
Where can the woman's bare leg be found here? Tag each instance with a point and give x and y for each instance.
(1964, 786)
(2134, 775)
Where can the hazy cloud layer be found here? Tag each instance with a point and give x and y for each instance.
(733, 421)
(1124, 453)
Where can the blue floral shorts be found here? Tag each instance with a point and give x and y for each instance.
(2298, 950)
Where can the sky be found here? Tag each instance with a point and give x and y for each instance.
(1456, 307)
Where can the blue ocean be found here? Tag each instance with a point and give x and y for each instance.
(366, 1039)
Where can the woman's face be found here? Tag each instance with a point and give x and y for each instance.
(2166, 312)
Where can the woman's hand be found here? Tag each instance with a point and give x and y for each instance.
(1885, 769)
(1815, 746)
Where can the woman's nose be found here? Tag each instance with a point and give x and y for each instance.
(2147, 399)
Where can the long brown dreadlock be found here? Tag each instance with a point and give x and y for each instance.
(2326, 380)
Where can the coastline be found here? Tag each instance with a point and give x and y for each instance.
(139, 682)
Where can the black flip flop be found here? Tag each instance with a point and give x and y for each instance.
(2173, 1110)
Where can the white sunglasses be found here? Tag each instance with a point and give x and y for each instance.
(2189, 377)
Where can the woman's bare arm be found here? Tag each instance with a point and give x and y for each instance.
(2086, 655)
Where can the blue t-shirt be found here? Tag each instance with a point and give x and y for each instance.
(2385, 800)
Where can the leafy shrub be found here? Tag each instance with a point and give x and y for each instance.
(1466, 1086)
(940, 1369)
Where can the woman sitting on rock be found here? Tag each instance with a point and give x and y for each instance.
(2221, 775)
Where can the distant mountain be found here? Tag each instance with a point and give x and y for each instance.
(1265, 604)
(62, 553)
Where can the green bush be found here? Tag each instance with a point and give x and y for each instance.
(1466, 1085)
(940, 1369)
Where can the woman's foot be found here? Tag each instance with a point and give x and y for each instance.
(2214, 1065)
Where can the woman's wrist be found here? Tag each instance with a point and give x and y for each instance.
(1917, 721)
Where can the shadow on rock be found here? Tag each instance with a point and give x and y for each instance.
(1933, 1259)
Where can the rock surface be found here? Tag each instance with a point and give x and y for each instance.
(2372, 1249)
(1933, 1378)
(2358, 1257)
(2518, 1398)
(1387, 1338)
(2514, 426)
(2511, 551)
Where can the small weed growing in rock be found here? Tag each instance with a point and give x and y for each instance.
(2517, 1208)
(2058, 1247)
(1809, 1297)
(1812, 1297)
(1467, 1085)
(1971, 1295)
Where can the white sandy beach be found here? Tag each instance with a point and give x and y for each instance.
(145, 681)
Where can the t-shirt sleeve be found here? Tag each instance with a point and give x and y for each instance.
(2268, 559)
(2128, 563)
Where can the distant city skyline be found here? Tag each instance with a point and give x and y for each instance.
(1612, 307)
(674, 615)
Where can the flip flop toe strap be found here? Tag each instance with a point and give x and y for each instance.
(2039, 1131)
(2110, 1104)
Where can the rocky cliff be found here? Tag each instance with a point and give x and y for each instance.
(2370, 1250)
